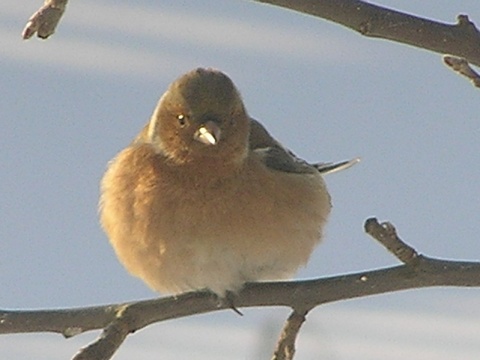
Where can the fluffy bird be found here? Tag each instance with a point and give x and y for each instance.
(205, 198)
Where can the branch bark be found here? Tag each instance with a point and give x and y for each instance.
(286, 344)
(461, 39)
(45, 20)
(461, 66)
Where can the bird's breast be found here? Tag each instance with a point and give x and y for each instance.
(180, 229)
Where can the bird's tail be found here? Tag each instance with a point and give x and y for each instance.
(328, 168)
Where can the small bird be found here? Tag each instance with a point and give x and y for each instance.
(205, 198)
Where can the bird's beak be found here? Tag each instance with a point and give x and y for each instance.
(208, 134)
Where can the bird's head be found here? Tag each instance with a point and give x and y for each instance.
(201, 116)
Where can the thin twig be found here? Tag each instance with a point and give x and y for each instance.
(386, 235)
(286, 343)
(461, 66)
(45, 20)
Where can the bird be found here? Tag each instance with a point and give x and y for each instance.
(204, 198)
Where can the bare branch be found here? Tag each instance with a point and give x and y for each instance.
(461, 66)
(119, 320)
(461, 39)
(45, 20)
(286, 344)
(295, 294)
(386, 235)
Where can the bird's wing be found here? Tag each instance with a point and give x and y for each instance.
(277, 157)
(274, 155)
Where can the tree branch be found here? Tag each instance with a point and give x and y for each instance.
(45, 20)
(428, 272)
(386, 235)
(120, 319)
(286, 344)
(461, 66)
(461, 39)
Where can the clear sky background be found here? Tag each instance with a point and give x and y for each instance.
(69, 104)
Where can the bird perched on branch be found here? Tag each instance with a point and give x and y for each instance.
(205, 198)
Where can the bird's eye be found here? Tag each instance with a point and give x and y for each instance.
(182, 120)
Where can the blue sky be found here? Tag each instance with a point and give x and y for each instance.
(70, 103)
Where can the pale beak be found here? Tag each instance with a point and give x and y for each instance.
(208, 134)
